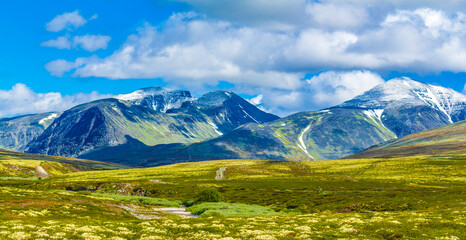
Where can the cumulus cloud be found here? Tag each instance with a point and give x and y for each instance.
(337, 16)
(332, 88)
(91, 43)
(272, 54)
(59, 67)
(276, 15)
(190, 46)
(292, 14)
(190, 49)
(257, 100)
(328, 88)
(62, 42)
(67, 20)
(22, 100)
(87, 42)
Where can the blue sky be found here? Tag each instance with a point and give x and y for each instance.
(289, 55)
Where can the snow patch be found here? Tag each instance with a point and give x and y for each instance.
(301, 141)
(376, 115)
(248, 114)
(215, 128)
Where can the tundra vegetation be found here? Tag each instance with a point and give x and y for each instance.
(400, 198)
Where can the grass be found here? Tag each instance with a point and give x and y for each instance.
(221, 209)
(15, 164)
(410, 198)
(139, 199)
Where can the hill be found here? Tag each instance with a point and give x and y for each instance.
(16, 164)
(448, 140)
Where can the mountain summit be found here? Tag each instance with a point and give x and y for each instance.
(404, 92)
(406, 106)
(159, 99)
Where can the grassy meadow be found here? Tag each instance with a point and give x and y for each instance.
(404, 198)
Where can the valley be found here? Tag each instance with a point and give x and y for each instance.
(411, 198)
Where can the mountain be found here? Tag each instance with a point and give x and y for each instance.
(394, 109)
(152, 116)
(406, 106)
(17, 132)
(304, 136)
(446, 141)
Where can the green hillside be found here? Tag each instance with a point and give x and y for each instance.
(15, 164)
(408, 198)
(443, 141)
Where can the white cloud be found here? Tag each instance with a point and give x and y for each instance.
(87, 42)
(190, 47)
(271, 54)
(192, 53)
(91, 43)
(337, 16)
(62, 42)
(59, 67)
(67, 20)
(22, 100)
(332, 88)
(257, 100)
(277, 14)
(324, 90)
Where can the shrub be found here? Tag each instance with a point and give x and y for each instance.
(209, 195)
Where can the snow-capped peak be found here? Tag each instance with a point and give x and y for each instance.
(407, 92)
(157, 98)
(143, 93)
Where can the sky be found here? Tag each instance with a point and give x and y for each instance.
(284, 56)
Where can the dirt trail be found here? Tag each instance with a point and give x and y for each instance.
(155, 213)
(221, 173)
(181, 211)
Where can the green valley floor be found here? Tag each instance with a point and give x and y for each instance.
(405, 198)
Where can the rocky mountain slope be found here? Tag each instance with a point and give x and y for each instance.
(151, 115)
(17, 132)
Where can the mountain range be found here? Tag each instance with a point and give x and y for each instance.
(157, 126)
(151, 115)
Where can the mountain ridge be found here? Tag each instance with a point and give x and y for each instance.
(152, 115)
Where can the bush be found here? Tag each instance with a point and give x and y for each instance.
(209, 195)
